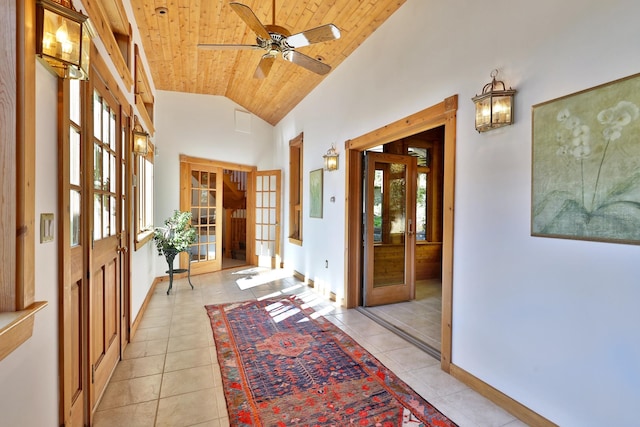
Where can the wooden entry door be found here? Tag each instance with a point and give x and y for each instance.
(268, 218)
(106, 232)
(389, 223)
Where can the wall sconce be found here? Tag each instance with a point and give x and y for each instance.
(331, 159)
(494, 107)
(140, 139)
(63, 39)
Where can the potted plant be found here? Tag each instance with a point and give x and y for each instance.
(175, 237)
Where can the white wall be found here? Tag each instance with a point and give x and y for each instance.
(201, 126)
(552, 323)
(29, 375)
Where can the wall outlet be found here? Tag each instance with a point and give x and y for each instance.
(326, 263)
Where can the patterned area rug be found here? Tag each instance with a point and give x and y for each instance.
(280, 367)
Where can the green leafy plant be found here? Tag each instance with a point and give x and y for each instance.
(177, 234)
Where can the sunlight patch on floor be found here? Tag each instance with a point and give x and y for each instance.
(257, 278)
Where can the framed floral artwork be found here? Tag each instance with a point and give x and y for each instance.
(315, 193)
(586, 164)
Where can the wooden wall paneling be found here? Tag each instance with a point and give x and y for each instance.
(143, 94)
(100, 20)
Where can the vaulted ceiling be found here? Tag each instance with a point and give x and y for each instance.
(172, 29)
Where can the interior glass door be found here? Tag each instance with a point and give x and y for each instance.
(206, 211)
(389, 224)
(268, 218)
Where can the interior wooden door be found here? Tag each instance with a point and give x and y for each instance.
(203, 198)
(106, 228)
(268, 193)
(389, 223)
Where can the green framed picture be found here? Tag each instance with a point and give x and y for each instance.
(586, 164)
(315, 193)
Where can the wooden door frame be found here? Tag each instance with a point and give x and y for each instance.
(441, 114)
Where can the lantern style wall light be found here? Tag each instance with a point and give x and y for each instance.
(331, 159)
(494, 106)
(140, 139)
(63, 38)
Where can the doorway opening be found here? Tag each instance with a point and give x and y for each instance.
(234, 226)
(403, 253)
(219, 197)
(429, 138)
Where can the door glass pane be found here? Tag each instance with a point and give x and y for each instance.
(105, 216)
(377, 205)
(421, 207)
(74, 217)
(113, 210)
(389, 209)
(106, 178)
(97, 166)
(97, 113)
(74, 156)
(97, 217)
(74, 101)
(112, 131)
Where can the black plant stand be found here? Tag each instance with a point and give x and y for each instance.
(170, 256)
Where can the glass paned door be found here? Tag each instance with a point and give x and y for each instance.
(268, 218)
(104, 289)
(389, 223)
(205, 205)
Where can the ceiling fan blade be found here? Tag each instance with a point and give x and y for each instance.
(251, 20)
(307, 62)
(228, 46)
(320, 34)
(264, 66)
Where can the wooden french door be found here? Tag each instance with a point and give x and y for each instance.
(203, 198)
(268, 218)
(106, 231)
(389, 223)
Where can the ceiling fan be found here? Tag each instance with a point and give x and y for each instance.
(276, 39)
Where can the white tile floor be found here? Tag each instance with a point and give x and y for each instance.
(170, 375)
(422, 317)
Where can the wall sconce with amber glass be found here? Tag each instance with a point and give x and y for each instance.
(331, 159)
(140, 140)
(494, 106)
(63, 39)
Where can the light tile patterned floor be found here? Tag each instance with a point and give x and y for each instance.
(421, 317)
(169, 375)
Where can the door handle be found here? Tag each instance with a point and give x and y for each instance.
(121, 249)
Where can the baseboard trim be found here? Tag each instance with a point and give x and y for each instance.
(510, 405)
(143, 308)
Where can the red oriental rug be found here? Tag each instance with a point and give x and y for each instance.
(280, 367)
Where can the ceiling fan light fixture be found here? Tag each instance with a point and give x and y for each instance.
(275, 39)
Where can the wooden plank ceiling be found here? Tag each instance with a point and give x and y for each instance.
(176, 63)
